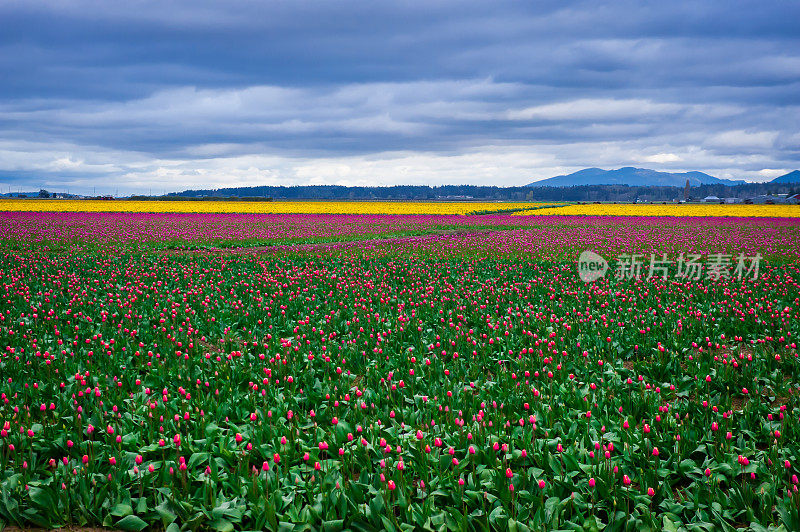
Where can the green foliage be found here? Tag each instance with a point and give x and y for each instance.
(515, 396)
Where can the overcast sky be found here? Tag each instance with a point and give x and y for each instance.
(136, 96)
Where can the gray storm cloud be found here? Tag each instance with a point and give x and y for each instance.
(189, 94)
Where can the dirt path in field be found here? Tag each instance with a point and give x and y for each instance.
(248, 250)
(72, 529)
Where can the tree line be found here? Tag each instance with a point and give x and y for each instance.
(477, 192)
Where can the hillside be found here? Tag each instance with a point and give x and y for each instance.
(640, 177)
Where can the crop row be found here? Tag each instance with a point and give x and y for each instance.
(306, 391)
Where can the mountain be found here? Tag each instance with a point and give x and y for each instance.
(791, 177)
(631, 176)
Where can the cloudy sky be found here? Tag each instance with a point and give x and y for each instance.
(140, 96)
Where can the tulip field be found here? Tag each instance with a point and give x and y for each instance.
(291, 372)
(266, 207)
